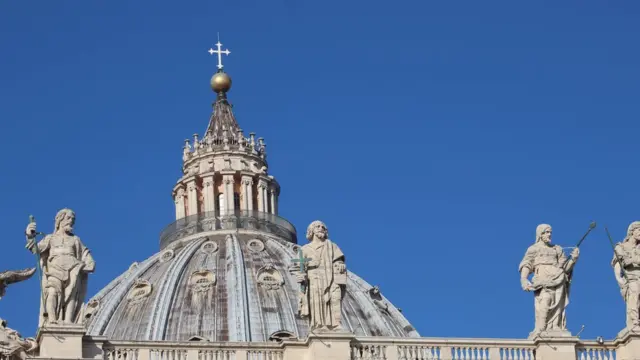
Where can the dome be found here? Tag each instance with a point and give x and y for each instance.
(227, 285)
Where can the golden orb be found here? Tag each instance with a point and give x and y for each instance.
(220, 82)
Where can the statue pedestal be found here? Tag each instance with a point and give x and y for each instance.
(558, 345)
(61, 341)
(329, 345)
(629, 345)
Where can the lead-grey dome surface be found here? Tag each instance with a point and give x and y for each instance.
(226, 287)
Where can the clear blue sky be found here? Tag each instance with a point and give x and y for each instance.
(431, 136)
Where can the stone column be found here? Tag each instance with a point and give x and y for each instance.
(208, 193)
(179, 201)
(247, 192)
(273, 192)
(192, 197)
(227, 180)
(263, 185)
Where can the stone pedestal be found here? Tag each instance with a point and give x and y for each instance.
(329, 346)
(628, 345)
(61, 341)
(555, 346)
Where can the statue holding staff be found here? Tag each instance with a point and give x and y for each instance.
(65, 264)
(552, 272)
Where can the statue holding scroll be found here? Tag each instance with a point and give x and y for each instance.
(323, 279)
(65, 264)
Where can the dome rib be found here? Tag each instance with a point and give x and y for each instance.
(121, 287)
(288, 278)
(238, 319)
(163, 301)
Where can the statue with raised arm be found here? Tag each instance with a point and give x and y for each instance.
(65, 264)
(628, 273)
(552, 273)
(12, 345)
(324, 279)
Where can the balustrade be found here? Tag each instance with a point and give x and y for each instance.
(362, 348)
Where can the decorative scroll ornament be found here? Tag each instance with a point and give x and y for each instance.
(270, 278)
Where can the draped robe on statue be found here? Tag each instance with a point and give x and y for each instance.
(65, 262)
(550, 283)
(323, 293)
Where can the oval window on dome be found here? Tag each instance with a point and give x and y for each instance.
(255, 245)
(166, 256)
(209, 247)
(140, 291)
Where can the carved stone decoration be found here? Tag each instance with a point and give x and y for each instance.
(627, 274)
(255, 245)
(10, 276)
(139, 292)
(209, 247)
(201, 284)
(12, 345)
(324, 280)
(550, 283)
(376, 296)
(167, 255)
(270, 278)
(90, 308)
(133, 266)
(68, 263)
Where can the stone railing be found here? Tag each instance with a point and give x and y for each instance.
(442, 349)
(159, 350)
(593, 350)
(238, 219)
(349, 347)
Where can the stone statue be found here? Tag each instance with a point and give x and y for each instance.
(628, 273)
(324, 280)
(12, 345)
(10, 277)
(550, 282)
(65, 264)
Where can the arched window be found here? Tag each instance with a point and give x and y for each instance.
(221, 204)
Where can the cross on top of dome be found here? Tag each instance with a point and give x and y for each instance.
(219, 52)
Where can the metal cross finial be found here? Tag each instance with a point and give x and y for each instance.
(219, 51)
(303, 265)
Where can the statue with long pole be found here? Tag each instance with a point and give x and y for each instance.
(552, 273)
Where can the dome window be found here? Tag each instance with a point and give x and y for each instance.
(269, 278)
(166, 256)
(255, 245)
(280, 335)
(209, 247)
(140, 291)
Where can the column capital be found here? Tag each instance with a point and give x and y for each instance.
(263, 182)
(208, 180)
